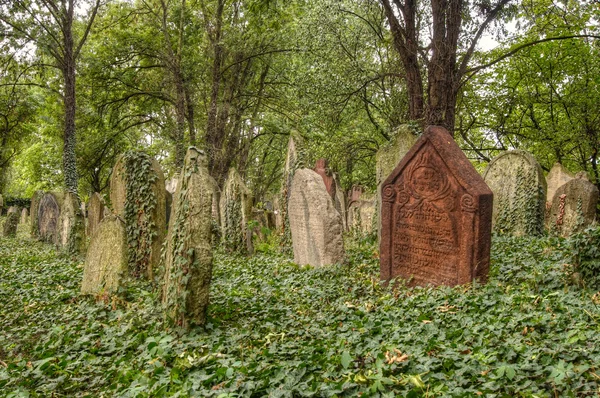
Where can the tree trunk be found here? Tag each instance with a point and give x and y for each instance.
(68, 70)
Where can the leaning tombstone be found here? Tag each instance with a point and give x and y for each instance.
(24, 216)
(436, 216)
(519, 188)
(557, 176)
(188, 252)
(388, 157)
(33, 213)
(573, 207)
(71, 227)
(95, 213)
(47, 216)
(315, 224)
(236, 210)
(295, 159)
(106, 259)
(10, 224)
(138, 196)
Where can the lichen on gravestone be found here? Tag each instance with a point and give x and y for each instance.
(573, 207)
(187, 255)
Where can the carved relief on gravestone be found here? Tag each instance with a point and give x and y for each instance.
(106, 258)
(71, 228)
(48, 214)
(315, 224)
(95, 213)
(436, 216)
(573, 207)
(519, 187)
(10, 224)
(188, 252)
(557, 176)
(24, 216)
(33, 213)
(146, 194)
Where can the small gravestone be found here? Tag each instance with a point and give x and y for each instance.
(339, 201)
(33, 213)
(362, 215)
(138, 196)
(557, 176)
(573, 207)
(24, 216)
(188, 252)
(71, 227)
(315, 224)
(322, 169)
(236, 211)
(436, 216)
(171, 185)
(12, 209)
(10, 224)
(95, 211)
(519, 188)
(106, 258)
(295, 159)
(47, 216)
(355, 193)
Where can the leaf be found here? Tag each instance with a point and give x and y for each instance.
(346, 359)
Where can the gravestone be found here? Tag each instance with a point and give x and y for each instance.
(12, 209)
(340, 202)
(71, 227)
(315, 224)
(188, 253)
(557, 176)
(295, 159)
(322, 169)
(573, 207)
(387, 158)
(33, 213)
(10, 224)
(106, 259)
(355, 193)
(95, 210)
(137, 183)
(235, 210)
(171, 185)
(24, 216)
(47, 216)
(362, 214)
(436, 216)
(519, 188)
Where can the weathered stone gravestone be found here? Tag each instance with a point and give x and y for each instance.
(362, 214)
(322, 169)
(47, 216)
(95, 211)
(171, 185)
(519, 188)
(106, 258)
(340, 202)
(436, 216)
(12, 209)
(387, 158)
(33, 213)
(236, 211)
(188, 253)
(138, 196)
(573, 207)
(557, 176)
(10, 224)
(295, 159)
(315, 224)
(71, 227)
(24, 216)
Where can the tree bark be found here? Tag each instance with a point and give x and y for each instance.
(69, 100)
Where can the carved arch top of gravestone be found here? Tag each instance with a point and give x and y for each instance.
(519, 187)
(436, 216)
(557, 176)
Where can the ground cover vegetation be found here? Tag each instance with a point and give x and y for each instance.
(278, 329)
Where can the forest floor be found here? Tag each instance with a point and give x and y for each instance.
(277, 329)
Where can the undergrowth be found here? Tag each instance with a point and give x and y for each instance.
(277, 329)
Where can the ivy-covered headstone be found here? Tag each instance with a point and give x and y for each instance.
(519, 188)
(188, 250)
(106, 258)
(71, 227)
(48, 215)
(95, 213)
(10, 224)
(236, 210)
(138, 195)
(573, 207)
(33, 213)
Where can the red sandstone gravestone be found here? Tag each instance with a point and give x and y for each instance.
(436, 216)
(321, 168)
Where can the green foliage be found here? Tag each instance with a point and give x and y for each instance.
(139, 206)
(585, 248)
(281, 330)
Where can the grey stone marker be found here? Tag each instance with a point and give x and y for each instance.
(188, 252)
(235, 209)
(315, 224)
(519, 188)
(573, 207)
(24, 216)
(71, 227)
(33, 213)
(106, 258)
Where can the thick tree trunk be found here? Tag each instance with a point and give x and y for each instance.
(68, 70)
